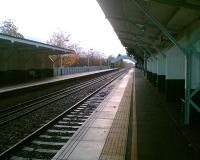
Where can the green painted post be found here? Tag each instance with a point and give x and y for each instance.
(184, 51)
(187, 90)
(187, 51)
(145, 65)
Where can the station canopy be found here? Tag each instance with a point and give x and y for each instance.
(138, 32)
(8, 44)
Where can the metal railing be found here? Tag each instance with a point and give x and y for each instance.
(71, 70)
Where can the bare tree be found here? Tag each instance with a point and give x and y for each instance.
(8, 27)
(82, 57)
(59, 39)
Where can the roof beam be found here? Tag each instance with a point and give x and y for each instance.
(142, 50)
(130, 44)
(148, 51)
(137, 54)
(16, 40)
(143, 38)
(159, 25)
(142, 42)
(134, 45)
(134, 40)
(136, 34)
(140, 24)
(179, 3)
(28, 51)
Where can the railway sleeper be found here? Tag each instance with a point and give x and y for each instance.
(44, 146)
(54, 137)
(22, 158)
(71, 123)
(74, 119)
(66, 127)
(60, 131)
(48, 143)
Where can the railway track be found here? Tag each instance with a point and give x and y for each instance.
(47, 140)
(17, 111)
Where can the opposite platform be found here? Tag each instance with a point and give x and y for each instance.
(49, 80)
(104, 135)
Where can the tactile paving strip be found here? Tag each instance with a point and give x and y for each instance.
(115, 146)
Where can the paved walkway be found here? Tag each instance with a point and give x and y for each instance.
(158, 136)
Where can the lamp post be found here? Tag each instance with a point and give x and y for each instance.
(90, 52)
(100, 60)
(101, 57)
(88, 60)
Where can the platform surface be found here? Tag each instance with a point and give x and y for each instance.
(47, 80)
(102, 129)
(158, 135)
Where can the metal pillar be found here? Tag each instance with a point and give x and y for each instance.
(187, 91)
(57, 59)
(187, 51)
(145, 60)
(145, 65)
(61, 65)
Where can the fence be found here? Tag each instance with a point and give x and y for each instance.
(71, 70)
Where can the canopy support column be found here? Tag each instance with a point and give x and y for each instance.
(187, 51)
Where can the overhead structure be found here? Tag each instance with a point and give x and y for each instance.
(8, 43)
(22, 59)
(164, 38)
(139, 33)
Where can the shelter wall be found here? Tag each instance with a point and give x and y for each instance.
(173, 67)
(16, 66)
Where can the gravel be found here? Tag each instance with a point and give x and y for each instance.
(14, 131)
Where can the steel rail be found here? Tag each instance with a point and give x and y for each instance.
(36, 99)
(51, 101)
(41, 99)
(7, 153)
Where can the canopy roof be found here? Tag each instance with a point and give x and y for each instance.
(11, 43)
(138, 33)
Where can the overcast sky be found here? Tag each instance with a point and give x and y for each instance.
(83, 19)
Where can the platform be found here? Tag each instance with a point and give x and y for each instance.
(48, 81)
(159, 135)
